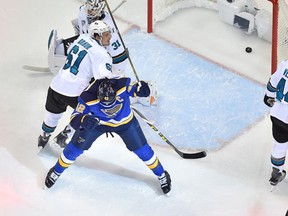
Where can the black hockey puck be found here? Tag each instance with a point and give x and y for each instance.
(248, 49)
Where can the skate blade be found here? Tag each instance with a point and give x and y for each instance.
(39, 149)
(168, 194)
(55, 145)
(272, 188)
(45, 187)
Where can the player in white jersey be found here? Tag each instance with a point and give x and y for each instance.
(276, 97)
(86, 59)
(91, 11)
(94, 10)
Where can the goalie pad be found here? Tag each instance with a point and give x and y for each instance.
(55, 61)
(152, 99)
(74, 23)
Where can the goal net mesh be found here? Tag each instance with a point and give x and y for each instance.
(161, 9)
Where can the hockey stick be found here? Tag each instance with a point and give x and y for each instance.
(34, 68)
(130, 61)
(120, 4)
(184, 155)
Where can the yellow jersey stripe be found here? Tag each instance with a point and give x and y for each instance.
(120, 91)
(116, 124)
(93, 102)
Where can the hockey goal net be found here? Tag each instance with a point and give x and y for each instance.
(274, 23)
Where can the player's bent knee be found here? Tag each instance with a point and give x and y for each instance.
(145, 152)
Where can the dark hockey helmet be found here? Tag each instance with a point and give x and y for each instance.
(106, 92)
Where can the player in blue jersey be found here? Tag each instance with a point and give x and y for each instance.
(104, 107)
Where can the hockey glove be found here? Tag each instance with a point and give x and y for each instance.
(142, 89)
(152, 99)
(269, 101)
(89, 122)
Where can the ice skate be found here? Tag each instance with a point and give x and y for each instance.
(61, 139)
(276, 177)
(43, 140)
(51, 178)
(165, 182)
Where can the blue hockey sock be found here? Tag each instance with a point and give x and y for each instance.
(68, 156)
(146, 154)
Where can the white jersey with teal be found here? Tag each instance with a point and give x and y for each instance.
(277, 88)
(86, 59)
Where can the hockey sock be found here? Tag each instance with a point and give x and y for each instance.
(278, 154)
(146, 154)
(47, 129)
(68, 156)
(51, 121)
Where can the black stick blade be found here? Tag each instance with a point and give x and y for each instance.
(196, 155)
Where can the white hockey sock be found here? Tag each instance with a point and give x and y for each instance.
(278, 154)
(52, 119)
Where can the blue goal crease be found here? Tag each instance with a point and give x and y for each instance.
(200, 104)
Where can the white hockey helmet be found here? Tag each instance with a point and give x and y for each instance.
(98, 27)
(94, 8)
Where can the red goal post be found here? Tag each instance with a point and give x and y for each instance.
(276, 9)
(279, 32)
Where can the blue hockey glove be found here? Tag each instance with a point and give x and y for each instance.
(269, 101)
(89, 122)
(142, 89)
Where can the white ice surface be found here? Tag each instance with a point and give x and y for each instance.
(109, 180)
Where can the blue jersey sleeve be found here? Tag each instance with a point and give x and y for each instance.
(77, 115)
